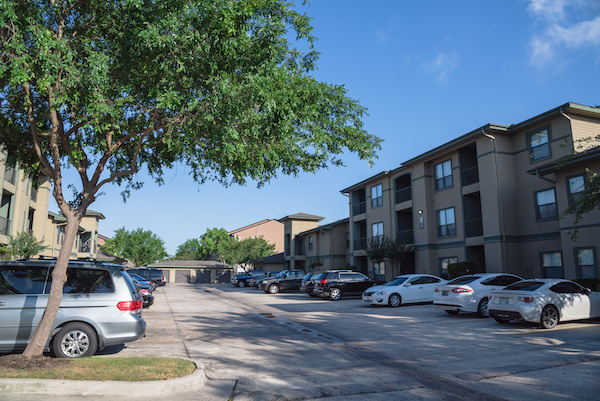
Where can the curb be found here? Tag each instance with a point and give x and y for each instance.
(83, 388)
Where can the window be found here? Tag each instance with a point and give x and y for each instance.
(552, 266)
(377, 196)
(377, 231)
(586, 263)
(446, 223)
(310, 243)
(539, 145)
(443, 175)
(379, 270)
(347, 240)
(567, 288)
(23, 280)
(87, 281)
(444, 262)
(60, 234)
(546, 205)
(575, 186)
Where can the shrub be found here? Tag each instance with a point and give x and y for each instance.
(462, 268)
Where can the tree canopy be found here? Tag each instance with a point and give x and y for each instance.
(140, 246)
(107, 88)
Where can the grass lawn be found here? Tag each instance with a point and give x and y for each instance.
(94, 368)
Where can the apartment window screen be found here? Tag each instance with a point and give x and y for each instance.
(446, 223)
(546, 205)
(443, 175)
(552, 264)
(376, 196)
(586, 262)
(539, 145)
(576, 186)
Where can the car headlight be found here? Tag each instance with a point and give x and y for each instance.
(381, 292)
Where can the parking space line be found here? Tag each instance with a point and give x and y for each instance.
(539, 331)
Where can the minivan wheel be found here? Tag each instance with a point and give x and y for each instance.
(335, 294)
(75, 340)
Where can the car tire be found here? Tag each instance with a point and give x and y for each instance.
(550, 317)
(482, 308)
(451, 312)
(75, 340)
(335, 294)
(273, 289)
(395, 300)
(501, 321)
(241, 284)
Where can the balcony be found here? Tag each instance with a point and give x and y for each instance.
(360, 244)
(470, 176)
(405, 236)
(359, 208)
(403, 195)
(10, 174)
(474, 228)
(4, 225)
(84, 247)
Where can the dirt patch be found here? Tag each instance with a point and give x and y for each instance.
(19, 362)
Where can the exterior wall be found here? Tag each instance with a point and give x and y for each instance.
(294, 244)
(329, 246)
(86, 244)
(512, 237)
(270, 230)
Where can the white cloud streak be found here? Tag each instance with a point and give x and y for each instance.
(442, 65)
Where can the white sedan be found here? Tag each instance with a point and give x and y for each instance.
(470, 293)
(544, 301)
(407, 288)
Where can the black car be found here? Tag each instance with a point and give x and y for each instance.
(285, 280)
(337, 283)
(308, 282)
(150, 273)
(137, 278)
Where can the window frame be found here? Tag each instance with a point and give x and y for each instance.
(377, 201)
(570, 194)
(446, 275)
(310, 242)
(380, 231)
(579, 266)
(440, 225)
(443, 179)
(530, 147)
(545, 268)
(537, 205)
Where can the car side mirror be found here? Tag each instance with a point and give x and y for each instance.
(407, 284)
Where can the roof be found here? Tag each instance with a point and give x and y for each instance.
(277, 258)
(301, 216)
(197, 264)
(258, 223)
(567, 161)
(328, 226)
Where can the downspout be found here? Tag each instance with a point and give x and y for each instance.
(499, 200)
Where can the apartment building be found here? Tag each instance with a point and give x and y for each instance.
(294, 243)
(271, 230)
(498, 195)
(86, 243)
(24, 206)
(326, 246)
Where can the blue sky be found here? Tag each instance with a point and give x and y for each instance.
(428, 71)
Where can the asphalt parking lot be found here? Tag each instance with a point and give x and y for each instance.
(288, 346)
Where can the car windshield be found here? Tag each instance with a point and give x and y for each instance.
(524, 286)
(396, 281)
(463, 280)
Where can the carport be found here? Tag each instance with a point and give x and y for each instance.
(195, 271)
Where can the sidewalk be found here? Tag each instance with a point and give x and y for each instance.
(163, 339)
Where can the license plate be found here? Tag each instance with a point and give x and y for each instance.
(445, 293)
(503, 301)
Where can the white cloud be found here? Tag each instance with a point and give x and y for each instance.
(564, 26)
(442, 65)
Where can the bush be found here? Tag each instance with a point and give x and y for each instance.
(462, 268)
(591, 283)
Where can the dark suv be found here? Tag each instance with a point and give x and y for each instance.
(285, 280)
(150, 273)
(336, 283)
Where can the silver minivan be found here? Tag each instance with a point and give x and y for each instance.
(101, 306)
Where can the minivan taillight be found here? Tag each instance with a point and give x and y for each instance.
(129, 306)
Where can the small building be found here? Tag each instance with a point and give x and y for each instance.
(270, 230)
(273, 263)
(195, 271)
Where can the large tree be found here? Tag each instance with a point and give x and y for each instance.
(107, 88)
(242, 252)
(140, 246)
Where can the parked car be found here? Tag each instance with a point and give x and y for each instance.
(147, 297)
(241, 280)
(471, 293)
(137, 278)
(285, 280)
(150, 273)
(308, 282)
(254, 281)
(544, 301)
(336, 284)
(101, 306)
(407, 288)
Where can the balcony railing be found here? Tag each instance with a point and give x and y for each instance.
(10, 174)
(359, 208)
(360, 243)
(405, 236)
(4, 225)
(403, 195)
(474, 228)
(470, 175)
(84, 247)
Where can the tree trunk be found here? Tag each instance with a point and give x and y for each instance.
(59, 277)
